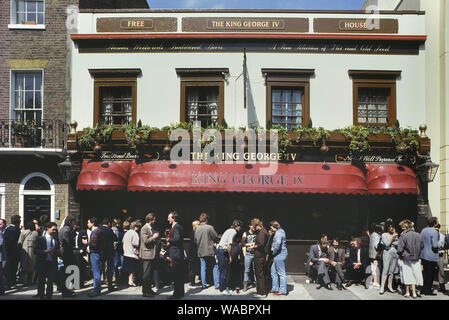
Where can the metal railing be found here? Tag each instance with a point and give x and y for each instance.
(48, 134)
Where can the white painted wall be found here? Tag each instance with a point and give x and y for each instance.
(158, 89)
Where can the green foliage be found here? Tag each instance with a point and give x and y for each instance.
(96, 135)
(315, 134)
(358, 139)
(283, 141)
(404, 139)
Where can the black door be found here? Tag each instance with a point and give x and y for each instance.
(35, 207)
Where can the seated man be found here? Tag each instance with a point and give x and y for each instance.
(319, 261)
(357, 263)
(337, 261)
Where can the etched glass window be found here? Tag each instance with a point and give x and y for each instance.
(202, 105)
(373, 106)
(116, 105)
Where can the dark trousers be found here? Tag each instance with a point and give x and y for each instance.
(178, 277)
(147, 274)
(235, 272)
(82, 265)
(11, 271)
(429, 271)
(322, 271)
(259, 266)
(222, 256)
(69, 259)
(268, 280)
(2, 284)
(108, 260)
(46, 275)
(339, 275)
(357, 275)
(194, 269)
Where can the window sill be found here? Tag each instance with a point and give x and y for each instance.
(27, 26)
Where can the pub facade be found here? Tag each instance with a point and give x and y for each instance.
(342, 89)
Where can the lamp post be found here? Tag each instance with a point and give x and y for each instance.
(65, 168)
(426, 173)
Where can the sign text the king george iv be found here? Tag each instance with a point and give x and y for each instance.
(245, 179)
(249, 24)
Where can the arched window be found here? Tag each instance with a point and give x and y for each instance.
(37, 183)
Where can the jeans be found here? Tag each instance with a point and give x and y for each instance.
(207, 265)
(216, 276)
(278, 270)
(222, 256)
(117, 263)
(249, 265)
(95, 260)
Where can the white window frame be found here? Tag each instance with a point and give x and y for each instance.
(23, 193)
(14, 24)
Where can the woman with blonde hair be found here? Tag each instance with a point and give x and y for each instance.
(410, 245)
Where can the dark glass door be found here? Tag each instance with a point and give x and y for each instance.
(35, 207)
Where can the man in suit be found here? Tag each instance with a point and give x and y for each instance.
(319, 261)
(429, 255)
(2, 256)
(357, 263)
(337, 260)
(11, 236)
(148, 254)
(67, 241)
(47, 250)
(176, 254)
(108, 239)
(205, 237)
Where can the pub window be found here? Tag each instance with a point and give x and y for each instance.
(27, 12)
(288, 97)
(202, 96)
(374, 97)
(27, 91)
(115, 96)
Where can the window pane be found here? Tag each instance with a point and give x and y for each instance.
(362, 120)
(382, 107)
(38, 81)
(31, 16)
(21, 6)
(31, 6)
(276, 95)
(38, 100)
(40, 18)
(362, 113)
(19, 99)
(29, 81)
(40, 6)
(383, 113)
(372, 120)
(19, 81)
(29, 100)
(297, 96)
(382, 120)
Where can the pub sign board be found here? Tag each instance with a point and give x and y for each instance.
(314, 46)
(334, 25)
(137, 24)
(298, 25)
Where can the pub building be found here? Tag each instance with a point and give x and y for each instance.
(145, 68)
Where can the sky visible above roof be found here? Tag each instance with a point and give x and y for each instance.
(257, 4)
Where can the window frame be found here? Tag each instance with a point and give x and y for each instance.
(14, 24)
(114, 78)
(12, 101)
(374, 79)
(288, 79)
(202, 78)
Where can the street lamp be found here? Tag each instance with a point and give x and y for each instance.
(65, 168)
(428, 170)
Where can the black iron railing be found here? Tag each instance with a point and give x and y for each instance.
(50, 134)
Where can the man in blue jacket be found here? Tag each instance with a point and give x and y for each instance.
(429, 255)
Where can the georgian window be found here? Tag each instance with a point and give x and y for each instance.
(288, 97)
(202, 96)
(374, 97)
(30, 12)
(115, 96)
(27, 96)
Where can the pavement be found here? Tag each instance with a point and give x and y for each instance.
(298, 289)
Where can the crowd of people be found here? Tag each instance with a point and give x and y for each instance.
(136, 254)
(383, 259)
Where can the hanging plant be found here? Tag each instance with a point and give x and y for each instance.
(316, 135)
(94, 136)
(283, 141)
(358, 139)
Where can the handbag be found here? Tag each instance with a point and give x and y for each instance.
(380, 250)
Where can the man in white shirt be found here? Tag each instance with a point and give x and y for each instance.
(222, 253)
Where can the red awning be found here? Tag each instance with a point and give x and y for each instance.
(106, 176)
(391, 179)
(227, 177)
